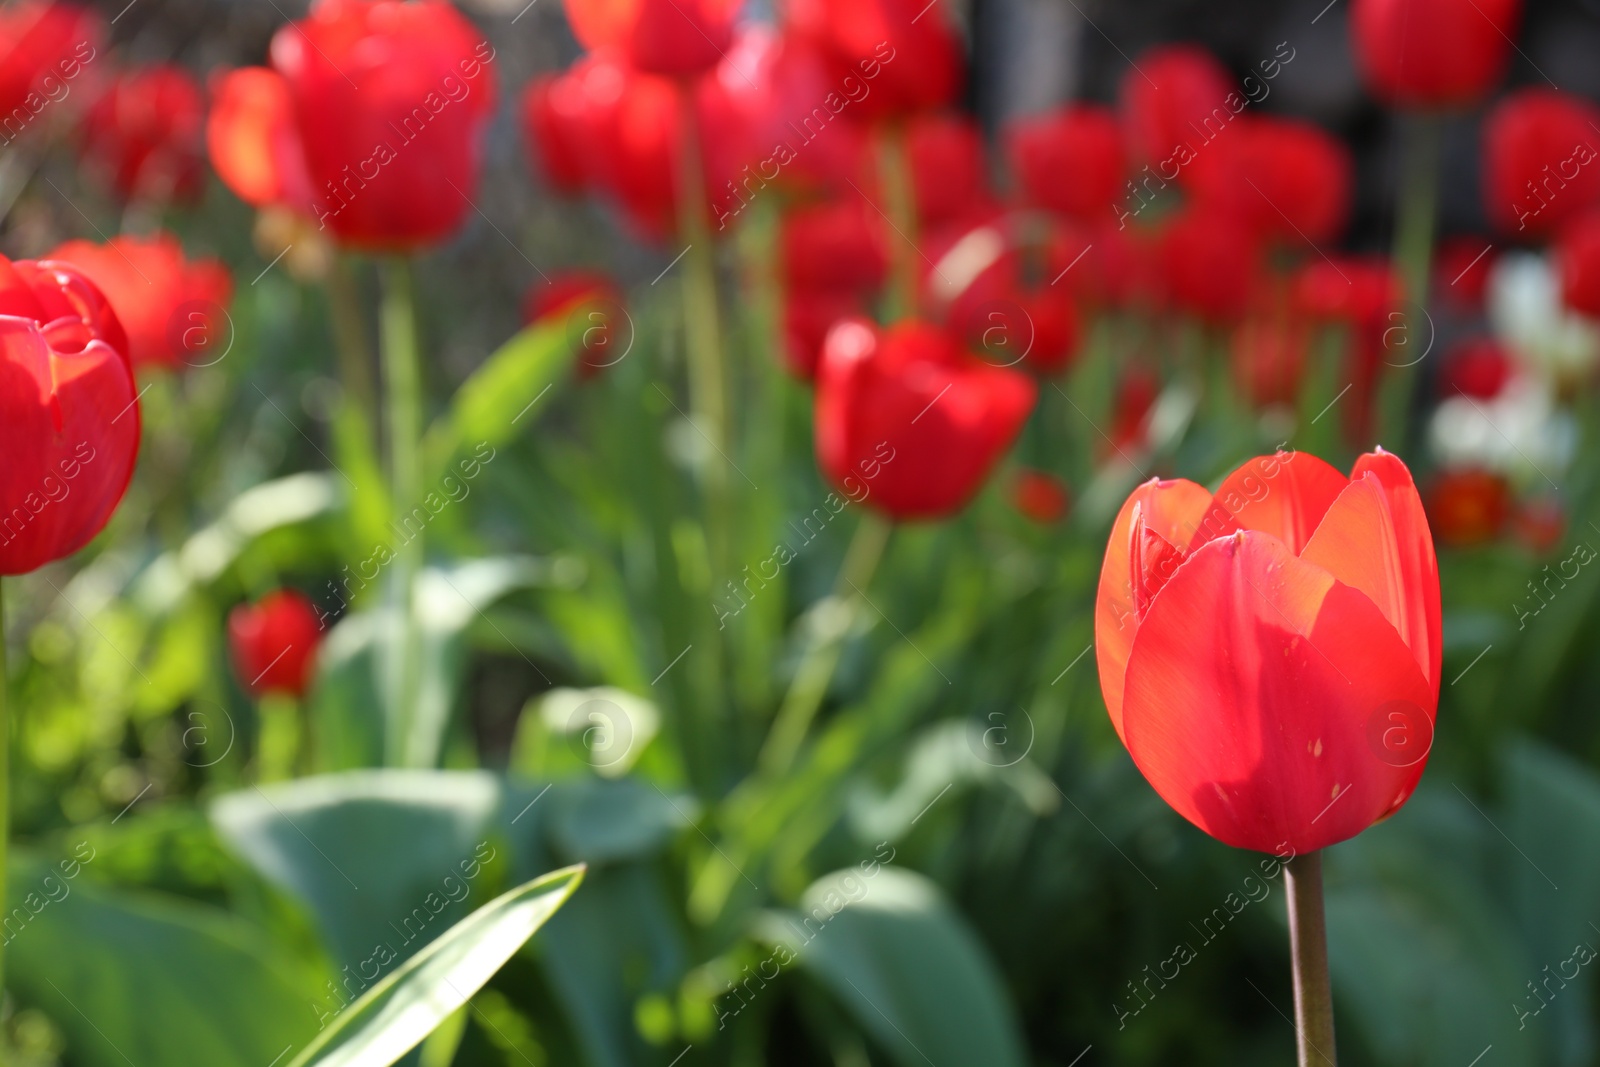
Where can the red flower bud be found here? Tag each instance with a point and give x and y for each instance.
(1469, 507)
(69, 413)
(1210, 265)
(670, 37)
(387, 104)
(1270, 653)
(1176, 94)
(1540, 164)
(1478, 368)
(1433, 53)
(274, 644)
(909, 413)
(1041, 497)
(173, 309)
(1288, 179)
(144, 132)
(1071, 160)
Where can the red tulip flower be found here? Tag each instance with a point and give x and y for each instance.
(44, 50)
(1578, 263)
(145, 131)
(1210, 265)
(1269, 653)
(173, 308)
(1176, 94)
(1478, 368)
(670, 37)
(371, 121)
(1540, 164)
(1433, 53)
(274, 644)
(1136, 396)
(1041, 497)
(1072, 160)
(1288, 179)
(565, 291)
(947, 168)
(808, 316)
(1461, 271)
(69, 413)
(837, 244)
(902, 55)
(1269, 358)
(1469, 507)
(910, 414)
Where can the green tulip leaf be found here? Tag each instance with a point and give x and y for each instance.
(395, 1015)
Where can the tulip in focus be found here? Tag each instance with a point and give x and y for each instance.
(1269, 653)
(909, 412)
(371, 121)
(173, 308)
(145, 131)
(1433, 53)
(274, 644)
(69, 413)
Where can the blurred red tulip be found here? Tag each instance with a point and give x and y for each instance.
(1301, 710)
(1364, 295)
(1072, 160)
(1176, 94)
(947, 168)
(1210, 265)
(838, 244)
(553, 110)
(145, 132)
(1433, 53)
(1136, 396)
(1461, 271)
(900, 56)
(1290, 180)
(1269, 358)
(173, 309)
(1540, 166)
(1102, 265)
(1478, 368)
(1040, 496)
(564, 291)
(808, 315)
(913, 416)
(45, 47)
(1578, 264)
(670, 37)
(1540, 524)
(1012, 326)
(69, 413)
(378, 106)
(274, 644)
(1469, 507)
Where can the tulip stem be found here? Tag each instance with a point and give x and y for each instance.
(832, 620)
(1413, 260)
(350, 338)
(402, 375)
(703, 338)
(895, 171)
(1308, 945)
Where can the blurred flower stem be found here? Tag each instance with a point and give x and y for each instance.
(1413, 258)
(350, 339)
(832, 624)
(281, 739)
(402, 380)
(703, 339)
(1308, 944)
(894, 168)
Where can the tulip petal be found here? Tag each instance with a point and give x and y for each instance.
(1252, 693)
(1284, 495)
(1170, 509)
(1419, 565)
